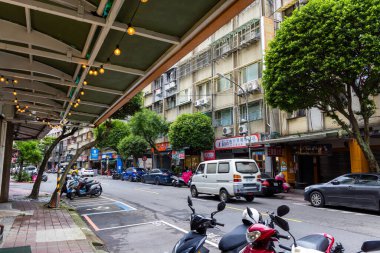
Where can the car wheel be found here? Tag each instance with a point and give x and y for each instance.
(249, 198)
(157, 181)
(223, 196)
(194, 192)
(317, 199)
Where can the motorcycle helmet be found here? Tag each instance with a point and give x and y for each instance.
(247, 220)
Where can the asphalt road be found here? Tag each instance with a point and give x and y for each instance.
(148, 218)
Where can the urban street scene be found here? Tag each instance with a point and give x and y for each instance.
(192, 126)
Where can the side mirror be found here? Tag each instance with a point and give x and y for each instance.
(283, 210)
(370, 246)
(189, 201)
(221, 206)
(335, 182)
(281, 223)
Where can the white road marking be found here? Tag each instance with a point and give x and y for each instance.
(346, 212)
(360, 214)
(99, 204)
(126, 226)
(332, 210)
(119, 211)
(201, 200)
(138, 189)
(118, 202)
(185, 231)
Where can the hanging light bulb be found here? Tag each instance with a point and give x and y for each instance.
(7, 81)
(15, 81)
(14, 93)
(26, 107)
(19, 110)
(17, 106)
(69, 113)
(91, 72)
(15, 100)
(76, 105)
(82, 92)
(2, 79)
(144, 1)
(71, 103)
(117, 51)
(84, 66)
(101, 70)
(95, 72)
(78, 100)
(85, 82)
(131, 30)
(30, 114)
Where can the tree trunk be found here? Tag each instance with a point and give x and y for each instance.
(53, 200)
(36, 187)
(20, 171)
(371, 159)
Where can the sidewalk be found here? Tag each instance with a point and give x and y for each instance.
(44, 230)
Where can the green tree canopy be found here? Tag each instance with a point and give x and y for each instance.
(132, 145)
(326, 55)
(45, 143)
(149, 125)
(117, 130)
(192, 130)
(29, 152)
(134, 105)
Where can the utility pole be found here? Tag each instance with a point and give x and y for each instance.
(246, 116)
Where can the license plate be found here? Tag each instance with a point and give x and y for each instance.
(275, 184)
(249, 179)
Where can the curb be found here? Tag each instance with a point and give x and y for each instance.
(96, 243)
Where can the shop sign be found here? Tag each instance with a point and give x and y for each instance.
(163, 146)
(236, 142)
(209, 155)
(94, 155)
(315, 149)
(275, 151)
(178, 154)
(107, 155)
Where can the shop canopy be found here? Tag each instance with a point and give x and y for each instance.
(53, 54)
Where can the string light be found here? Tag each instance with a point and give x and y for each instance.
(91, 72)
(84, 66)
(131, 30)
(7, 81)
(78, 100)
(82, 92)
(14, 93)
(76, 105)
(69, 113)
(144, 1)
(17, 106)
(101, 70)
(95, 72)
(84, 82)
(2, 79)
(15, 81)
(71, 103)
(117, 51)
(15, 101)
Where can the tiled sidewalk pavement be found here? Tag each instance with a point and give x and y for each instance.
(45, 230)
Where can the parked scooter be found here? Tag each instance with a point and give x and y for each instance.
(183, 180)
(281, 177)
(194, 240)
(83, 187)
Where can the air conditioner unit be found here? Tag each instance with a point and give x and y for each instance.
(227, 130)
(242, 91)
(159, 92)
(198, 103)
(172, 85)
(253, 86)
(243, 129)
(206, 101)
(167, 87)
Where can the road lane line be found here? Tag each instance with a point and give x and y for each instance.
(119, 202)
(201, 200)
(234, 208)
(91, 222)
(185, 231)
(138, 189)
(119, 211)
(126, 226)
(96, 204)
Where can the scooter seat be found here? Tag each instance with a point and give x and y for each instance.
(234, 239)
(315, 242)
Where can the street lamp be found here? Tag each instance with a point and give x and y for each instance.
(246, 116)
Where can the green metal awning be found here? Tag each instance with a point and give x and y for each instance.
(44, 43)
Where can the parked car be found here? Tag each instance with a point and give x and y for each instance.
(83, 172)
(350, 190)
(30, 169)
(158, 176)
(269, 185)
(227, 178)
(133, 174)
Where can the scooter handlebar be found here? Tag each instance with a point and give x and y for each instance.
(284, 247)
(287, 237)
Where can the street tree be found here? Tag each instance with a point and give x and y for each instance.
(28, 153)
(326, 56)
(129, 109)
(102, 133)
(192, 130)
(47, 146)
(149, 125)
(132, 145)
(120, 129)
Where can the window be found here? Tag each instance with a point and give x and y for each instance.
(369, 180)
(157, 107)
(156, 171)
(254, 111)
(211, 168)
(223, 168)
(250, 73)
(171, 102)
(298, 113)
(201, 169)
(223, 84)
(246, 167)
(184, 96)
(347, 179)
(203, 90)
(224, 117)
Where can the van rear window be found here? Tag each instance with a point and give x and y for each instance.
(246, 167)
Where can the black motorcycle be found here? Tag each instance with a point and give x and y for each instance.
(178, 181)
(194, 240)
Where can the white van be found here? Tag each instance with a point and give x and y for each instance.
(227, 178)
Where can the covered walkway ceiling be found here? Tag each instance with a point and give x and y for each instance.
(50, 46)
